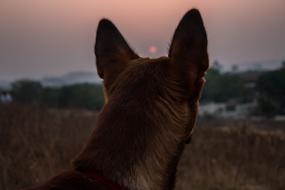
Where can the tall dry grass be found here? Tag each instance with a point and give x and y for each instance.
(237, 156)
(37, 143)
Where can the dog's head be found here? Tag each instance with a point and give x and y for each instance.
(176, 80)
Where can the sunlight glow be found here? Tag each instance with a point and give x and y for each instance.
(152, 49)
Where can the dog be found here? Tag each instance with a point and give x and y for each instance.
(149, 113)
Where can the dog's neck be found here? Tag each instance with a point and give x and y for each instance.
(136, 144)
(155, 175)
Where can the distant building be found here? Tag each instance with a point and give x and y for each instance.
(231, 109)
(5, 97)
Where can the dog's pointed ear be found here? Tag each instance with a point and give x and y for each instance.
(111, 50)
(188, 51)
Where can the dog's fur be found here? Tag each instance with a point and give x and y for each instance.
(150, 110)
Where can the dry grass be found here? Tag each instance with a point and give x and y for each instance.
(37, 143)
(239, 157)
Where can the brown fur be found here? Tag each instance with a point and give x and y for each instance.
(150, 110)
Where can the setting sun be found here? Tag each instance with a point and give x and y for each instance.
(152, 49)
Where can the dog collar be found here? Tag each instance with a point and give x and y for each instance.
(104, 181)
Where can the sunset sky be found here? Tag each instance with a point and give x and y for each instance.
(52, 37)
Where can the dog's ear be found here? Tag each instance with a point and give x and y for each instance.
(188, 52)
(111, 50)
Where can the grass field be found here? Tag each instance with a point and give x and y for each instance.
(36, 143)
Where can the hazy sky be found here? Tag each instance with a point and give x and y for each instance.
(51, 37)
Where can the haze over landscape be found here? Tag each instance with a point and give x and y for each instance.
(53, 37)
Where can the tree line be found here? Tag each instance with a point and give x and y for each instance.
(268, 91)
(82, 96)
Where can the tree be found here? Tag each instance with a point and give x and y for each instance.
(222, 87)
(27, 91)
(88, 96)
(83, 96)
(50, 96)
(271, 93)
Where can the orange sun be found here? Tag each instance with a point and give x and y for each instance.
(152, 49)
